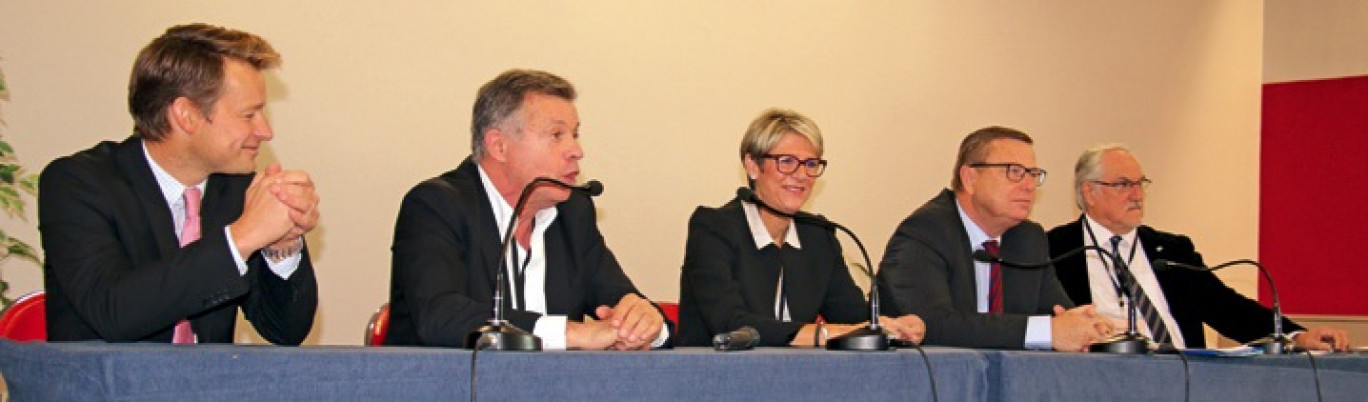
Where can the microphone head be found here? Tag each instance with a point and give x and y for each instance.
(593, 187)
(745, 194)
(982, 255)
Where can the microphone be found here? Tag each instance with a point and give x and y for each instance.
(1276, 344)
(744, 338)
(982, 255)
(500, 334)
(870, 337)
(1130, 342)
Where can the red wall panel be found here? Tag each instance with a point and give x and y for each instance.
(1313, 213)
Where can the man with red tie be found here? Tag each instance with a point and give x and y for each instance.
(164, 236)
(929, 269)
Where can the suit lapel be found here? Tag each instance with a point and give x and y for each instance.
(138, 171)
(965, 294)
(559, 267)
(484, 235)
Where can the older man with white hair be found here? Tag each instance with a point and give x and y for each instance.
(1172, 305)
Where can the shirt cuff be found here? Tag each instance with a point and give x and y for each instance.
(551, 329)
(1038, 336)
(284, 268)
(664, 336)
(287, 266)
(232, 249)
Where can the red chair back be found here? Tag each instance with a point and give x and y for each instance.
(26, 319)
(377, 327)
(671, 311)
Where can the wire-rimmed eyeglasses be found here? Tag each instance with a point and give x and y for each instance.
(1125, 184)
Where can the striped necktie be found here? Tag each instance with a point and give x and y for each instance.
(1151, 314)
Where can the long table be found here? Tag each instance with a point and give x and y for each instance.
(99, 371)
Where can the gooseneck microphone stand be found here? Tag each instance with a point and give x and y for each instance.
(870, 337)
(1276, 344)
(500, 334)
(1130, 342)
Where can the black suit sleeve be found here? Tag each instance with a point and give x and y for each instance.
(431, 240)
(917, 275)
(711, 257)
(607, 282)
(1224, 309)
(281, 309)
(845, 303)
(104, 260)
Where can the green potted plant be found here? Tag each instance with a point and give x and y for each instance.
(14, 183)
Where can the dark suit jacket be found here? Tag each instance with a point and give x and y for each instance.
(114, 269)
(1193, 297)
(446, 253)
(928, 270)
(727, 283)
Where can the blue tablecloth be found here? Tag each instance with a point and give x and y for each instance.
(99, 371)
(85, 371)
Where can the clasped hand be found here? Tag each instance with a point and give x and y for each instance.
(280, 207)
(633, 324)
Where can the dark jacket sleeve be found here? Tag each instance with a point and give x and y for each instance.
(919, 279)
(109, 278)
(1225, 310)
(712, 254)
(281, 309)
(432, 240)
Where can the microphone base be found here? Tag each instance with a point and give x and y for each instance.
(503, 336)
(863, 339)
(1275, 346)
(1122, 344)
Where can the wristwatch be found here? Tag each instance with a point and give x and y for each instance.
(280, 255)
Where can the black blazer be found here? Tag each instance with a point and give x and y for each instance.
(114, 269)
(445, 256)
(727, 283)
(1193, 297)
(928, 270)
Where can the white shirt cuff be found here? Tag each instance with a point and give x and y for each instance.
(664, 336)
(232, 249)
(551, 329)
(284, 268)
(1038, 334)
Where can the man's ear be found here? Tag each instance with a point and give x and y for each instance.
(967, 176)
(496, 144)
(184, 116)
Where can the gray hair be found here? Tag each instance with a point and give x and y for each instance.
(502, 97)
(1089, 168)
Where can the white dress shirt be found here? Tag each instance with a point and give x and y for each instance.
(174, 192)
(1038, 330)
(551, 328)
(1104, 293)
(762, 238)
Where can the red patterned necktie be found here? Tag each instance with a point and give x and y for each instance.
(190, 232)
(994, 279)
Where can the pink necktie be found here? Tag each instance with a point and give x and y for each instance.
(190, 232)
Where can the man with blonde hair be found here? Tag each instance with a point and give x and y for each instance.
(165, 236)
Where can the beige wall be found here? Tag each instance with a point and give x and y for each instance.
(375, 97)
(1315, 40)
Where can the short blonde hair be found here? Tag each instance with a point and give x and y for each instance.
(771, 125)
